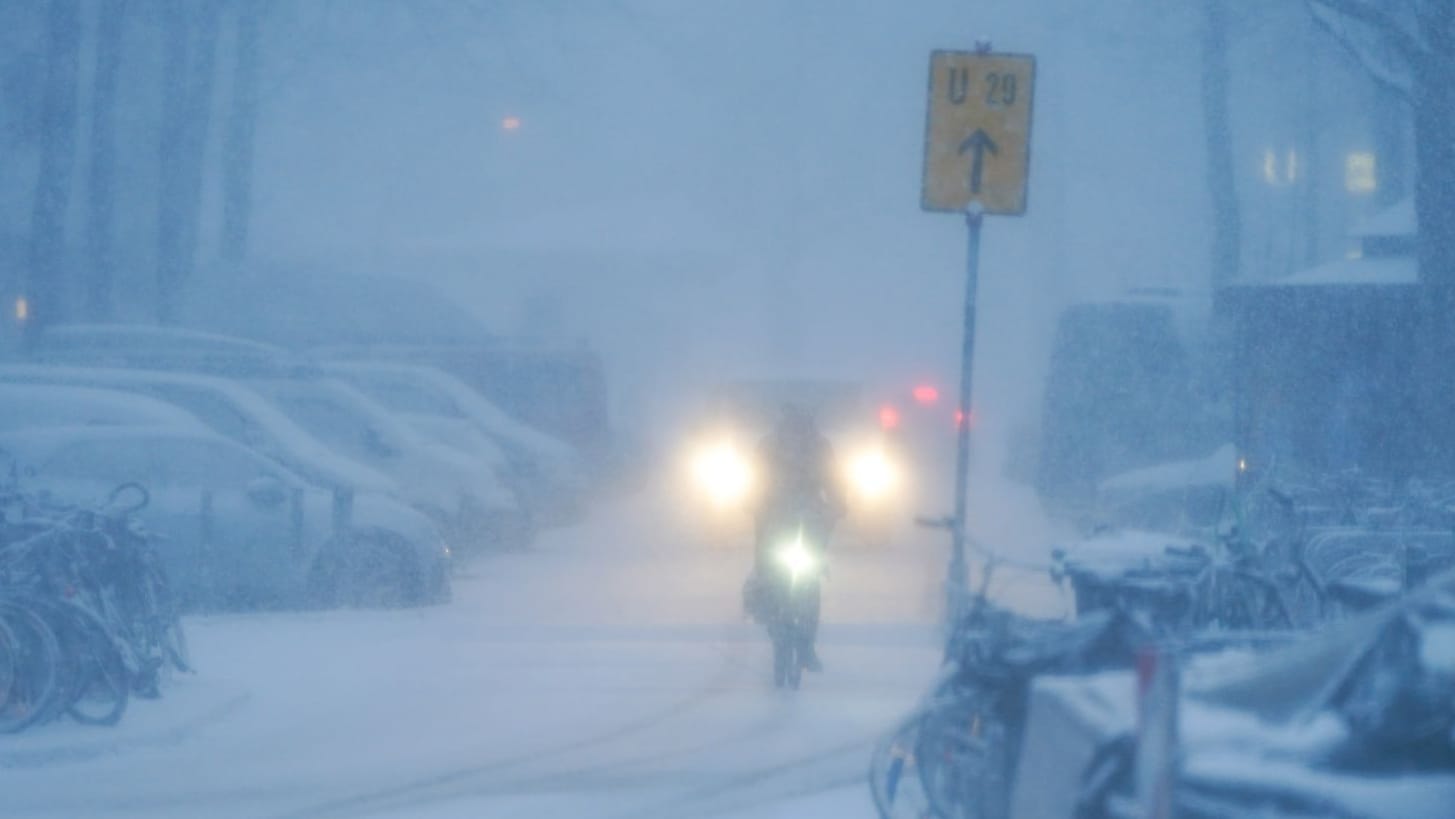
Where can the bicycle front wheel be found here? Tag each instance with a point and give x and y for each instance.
(964, 758)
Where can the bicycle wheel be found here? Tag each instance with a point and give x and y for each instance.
(1304, 598)
(894, 779)
(99, 685)
(33, 689)
(1367, 567)
(166, 622)
(174, 645)
(964, 758)
(9, 661)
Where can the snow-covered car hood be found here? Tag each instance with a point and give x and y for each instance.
(383, 512)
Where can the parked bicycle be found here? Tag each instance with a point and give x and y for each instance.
(87, 619)
(955, 756)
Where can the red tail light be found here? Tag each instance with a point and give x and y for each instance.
(888, 417)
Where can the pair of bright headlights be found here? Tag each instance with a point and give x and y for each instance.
(727, 476)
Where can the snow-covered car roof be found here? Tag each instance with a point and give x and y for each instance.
(37, 445)
(103, 338)
(293, 396)
(466, 399)
(50, 405)
(163, 348)
(352, 399)
(297, 448)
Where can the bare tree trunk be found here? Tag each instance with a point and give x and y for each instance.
(101, 192)
(170, 265)
(1435, 160)
(47, 264)
(188, 78)
(1434, 203)
(1222, 183)
(1391, 122)
(242, 124)
(1310, 190)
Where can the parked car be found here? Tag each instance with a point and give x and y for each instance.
(546, 473)
(40, 405)
(156, 348)
(560, 391)
(229, 409)
(463, 494)
(236, 530)
(239, 412)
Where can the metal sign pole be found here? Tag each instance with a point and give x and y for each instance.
(958, 581)
(977, 162)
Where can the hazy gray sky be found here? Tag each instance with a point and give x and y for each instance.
(719, 188)
(752, 169)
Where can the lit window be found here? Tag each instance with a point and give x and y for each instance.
(1281, 174)
(1359, 173)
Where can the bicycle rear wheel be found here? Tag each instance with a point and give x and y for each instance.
(33, 688)
(99, 684)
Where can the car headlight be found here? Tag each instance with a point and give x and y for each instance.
(723, 474)
(873, 475)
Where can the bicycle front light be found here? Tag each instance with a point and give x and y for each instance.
(797, 558)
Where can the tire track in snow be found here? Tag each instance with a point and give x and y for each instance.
(457, 783)
(798, 777)
(607, 775)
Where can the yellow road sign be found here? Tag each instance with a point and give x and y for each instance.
(978, 133)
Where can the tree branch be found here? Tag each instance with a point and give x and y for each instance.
(1383, 74)
(1436, 26)
(1408, 45)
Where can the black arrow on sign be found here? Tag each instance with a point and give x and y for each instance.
(979, 142)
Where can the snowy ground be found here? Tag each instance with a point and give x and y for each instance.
(606, 673)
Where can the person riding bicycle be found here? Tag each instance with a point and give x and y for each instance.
(801, 488)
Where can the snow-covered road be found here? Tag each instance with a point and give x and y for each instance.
(606, 673)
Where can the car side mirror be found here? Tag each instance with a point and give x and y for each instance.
(267, 491)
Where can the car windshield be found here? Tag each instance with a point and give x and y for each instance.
(111, 462)
(989, 409)
(330, 419)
